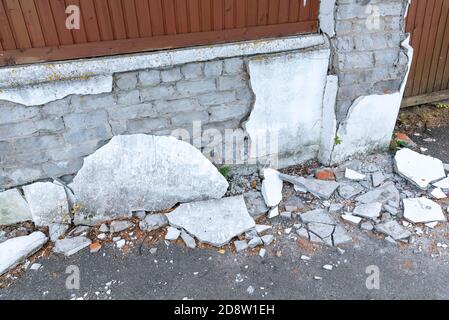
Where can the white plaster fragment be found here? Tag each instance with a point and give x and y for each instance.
(354, 175)
(287, 115)
(13, 208)
(272, 187)
(352, 219)
(38, 94)
(442, 184)
(422, 210)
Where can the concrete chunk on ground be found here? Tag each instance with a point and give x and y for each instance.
(261, 228)
(16, 250)
(387, 193)
(437, 193)
(317, 216)
(422, 210)
(268, 239)
(214, 222)
(119, 178)
(349, 190)
(377, 178)
(188, 240)
(321, 230)
(340, 236)
(319, 188)
(240, 245)
(419, 169)
(354, 175)
(153, 222)
(48, 203)
(172, 234)
(272, 187)
(368, 210)
(13, 208)
(442, 184)
(255, 204)
(70, 246)
(56, 230)
(254, 242)
(393, 229)
(351, 219)
(119, 226)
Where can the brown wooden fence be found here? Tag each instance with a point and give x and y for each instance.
(35, 30)
(428, 23)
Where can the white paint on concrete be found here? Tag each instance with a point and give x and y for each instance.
(41, 93)
(289, 91)
(327, 17)
(48, 72)
(329, 121)
(370, 122)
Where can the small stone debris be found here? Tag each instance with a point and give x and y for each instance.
(335, 208)
(351, 219)
(268, 239)
(255, 242)
(319, 188)
(422, 210)
(250, 290)
(240, 245)
(188, 240)
(153, 222)
(432, 225)
(305, 258)
(350, 190)
(56, 230)
(286, 215)
(393, 229)
(325, 174)
(79, 230)
(103, 228)
(261, 228)
(419, 169)
(102, 236)
(317, 216)
(387, 193)
(272, 187)
(172, 234)
(287, 230)
(354, 175)
(273, 213)
(121, 243)
(119, 226)
(340, 236)
(442, 184)
(35, 266)
(13, 207)
(328, 267)
(262, 252)
(437, 193)
(368, 226)
(377, 178)
(255, 204)
(70, 246)
(368, 210)
(153, 250)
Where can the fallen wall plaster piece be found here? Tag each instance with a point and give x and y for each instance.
(329, 124)
(42, 93)
(370, 121)
(287, 114)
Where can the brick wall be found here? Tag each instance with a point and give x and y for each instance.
(51, 140)
(368, 58)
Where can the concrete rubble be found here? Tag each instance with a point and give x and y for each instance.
(214, 222)
(13, 208)
(422, 210)
(70, 246)
(15, 251)
(153, 222)
(272, 188)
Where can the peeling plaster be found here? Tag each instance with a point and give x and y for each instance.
(371, 120)
(49, 72)
(39, 94)
(329, 123)
(289, 93)
(327, 17)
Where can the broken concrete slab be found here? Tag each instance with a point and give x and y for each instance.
(119, 178)
(188, 240)
(393, 229)
(261, 228)
(214, 222)
(273, 213)
(70, 246)
(254, 242)
(321, 230)
(442, 184)
(349, 190)
(153, 222)
(272, 187)
(368, 226)
(48, 203)
(268, 239)
(340, 236)
(377, 178)
(368, 210)
(422, 210)
(172, 234)
(419, 169)
(13, 208)
(56, 230)
(354, 175)
(119, 226)
(351, 219)
(255, 204)
(437, 193)
(16, 250)
(383, 194)
(317, 216)
(319, 188)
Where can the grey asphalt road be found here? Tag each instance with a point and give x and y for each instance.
(175, 272)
